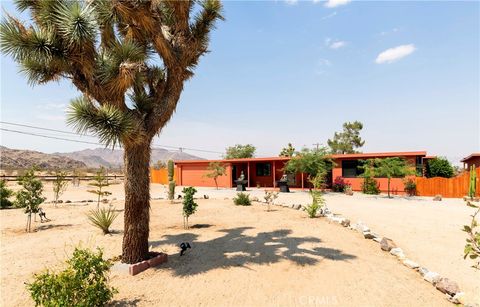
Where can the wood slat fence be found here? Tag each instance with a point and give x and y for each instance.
(455, 187)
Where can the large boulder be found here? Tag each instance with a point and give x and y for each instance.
(387, 244)
(448, 286)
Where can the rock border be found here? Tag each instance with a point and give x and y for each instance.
(445, 285)
(136, 268)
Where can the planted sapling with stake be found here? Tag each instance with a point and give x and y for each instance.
(269, 197)
(30, 196)
(189, 205)
(59, 185)
(100, 182)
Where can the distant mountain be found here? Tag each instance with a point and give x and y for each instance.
(21, 159)
(114, 158)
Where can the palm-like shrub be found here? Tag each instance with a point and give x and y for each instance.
(242, 199)
(102, 218)
(130, 60)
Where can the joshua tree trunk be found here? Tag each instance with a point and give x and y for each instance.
(137, 202)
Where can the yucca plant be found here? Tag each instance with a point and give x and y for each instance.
(130, 60)
(102, 218)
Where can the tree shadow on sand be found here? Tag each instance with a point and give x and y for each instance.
(236, 249)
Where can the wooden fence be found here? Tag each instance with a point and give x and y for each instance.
(447, 187)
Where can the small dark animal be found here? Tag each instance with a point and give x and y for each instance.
(206, 196)
(184, 246)
(43, 216)
(179, 197)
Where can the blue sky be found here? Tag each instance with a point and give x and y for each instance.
(286, 71)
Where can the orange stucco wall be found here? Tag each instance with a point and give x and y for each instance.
(196, 175)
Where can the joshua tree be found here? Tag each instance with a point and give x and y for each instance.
(129, 59)
(216, 169)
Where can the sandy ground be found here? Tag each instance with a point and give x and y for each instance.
(240, 256)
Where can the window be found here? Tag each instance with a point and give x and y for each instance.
(264, 169)
(350, 168)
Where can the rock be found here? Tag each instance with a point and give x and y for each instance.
(387, 244)
(437, 197)
(432, 277)
(411, 264)
(446, 285)
(59, 201)
(345, 222)
(397, 251)
(254, 198)
(90, 201)
(377, 239)
(298, 207)
(368, 235)
(360, 227)
(326, 211)
(422, 270)
(458, 298)
(349, 193)
(68, 201)
(83, 201)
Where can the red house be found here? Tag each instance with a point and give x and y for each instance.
(264, 172)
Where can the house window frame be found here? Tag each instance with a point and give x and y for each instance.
(263, 169)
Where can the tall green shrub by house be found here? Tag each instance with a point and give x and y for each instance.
(84, 282)
(369, 184)
(472, 187)
(439, 167)
(171, 182)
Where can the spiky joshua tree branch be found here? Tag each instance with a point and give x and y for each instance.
(129, 59)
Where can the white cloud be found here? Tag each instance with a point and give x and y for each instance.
(291, 2)
(335, 3)
(394, 54)
(334, 44)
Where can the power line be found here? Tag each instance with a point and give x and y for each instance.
(86, 142)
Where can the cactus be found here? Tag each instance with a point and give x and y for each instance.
(171, 182)
(473, 182)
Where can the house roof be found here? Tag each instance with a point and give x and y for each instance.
(338, 156)
(473, 155)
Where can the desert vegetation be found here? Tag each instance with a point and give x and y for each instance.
(189, 204)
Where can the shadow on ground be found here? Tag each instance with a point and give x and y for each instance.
(236, 249)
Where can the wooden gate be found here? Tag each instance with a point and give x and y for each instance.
(455, 187)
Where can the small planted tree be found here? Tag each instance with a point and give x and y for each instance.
(269, 197)
(216, 169)
(317, 199)
(472, 248)
(30, 195)
(100, 182)
(189, 204)
(59, 185)
(171, 182)
(392, 167)
(84, 282)
(5, 194)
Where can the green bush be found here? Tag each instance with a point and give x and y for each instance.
(83, 283)
(410, 187)
(472, 248)
(242, 199)
(5, 194)
(317, 203)
(439, 167)
(102, 218)
(370, 186)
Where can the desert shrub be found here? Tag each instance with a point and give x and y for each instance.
(269, 197)
(242, 199)
(370, 186)
(5, 194)
(410, 187)
(189, 204)
(102, 218)
(84, 282)
(339, 185)
(439, 167)
(472, 248)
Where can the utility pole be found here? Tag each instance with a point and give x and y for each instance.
(317, 145)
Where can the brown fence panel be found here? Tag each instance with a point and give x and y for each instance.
(447, 187)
